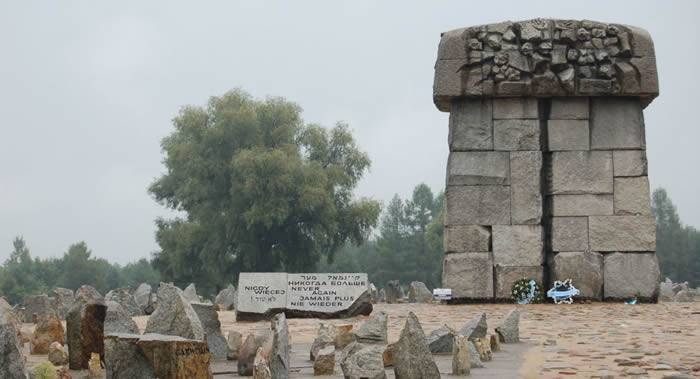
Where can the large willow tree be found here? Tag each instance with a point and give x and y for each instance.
(258, 190)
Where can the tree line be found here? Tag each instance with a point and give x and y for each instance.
(258, 189)
(22, 275)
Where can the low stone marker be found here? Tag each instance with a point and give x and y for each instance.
(156, 356)
(262, 295)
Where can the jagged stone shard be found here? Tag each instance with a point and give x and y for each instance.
(545, 58)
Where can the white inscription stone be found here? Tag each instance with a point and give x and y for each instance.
(261, 291)
(302, 295)
(326, 293)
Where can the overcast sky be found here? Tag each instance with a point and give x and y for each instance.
(88, 89)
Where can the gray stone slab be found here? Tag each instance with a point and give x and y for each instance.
(569, 108)
(469, 275)
(325, 293)
(616, 123)
(259, 293)
(584, 268)
(448, 81)
(526, 187)
(467, 238)
(477, 205)
(516, 108)
(478, 168)
(564, 135)
(512, 135)
(629, 163)
(506, 276)
(518, 245)
(581, 172)
(471, 125)
(582, 205)
(622, 233)
(632, 196)
(628, 275)
(569, 233)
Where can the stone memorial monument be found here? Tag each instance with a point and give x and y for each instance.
(547, 172)
(262, 295)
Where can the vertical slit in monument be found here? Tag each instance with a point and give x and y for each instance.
(545, 107)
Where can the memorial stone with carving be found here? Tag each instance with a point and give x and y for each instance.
(262, 295)
(547, 171)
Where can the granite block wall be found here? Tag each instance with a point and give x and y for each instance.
(547, 172)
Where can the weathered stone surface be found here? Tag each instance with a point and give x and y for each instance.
(461, 363)
(569, 233)
(629, 163)
(381, 296)
(483, 347)
(582, 205)
(516, 108)
(419, 293)
(11, 359)
(506, 276)
(476, 328)
(622, 233)
(526, 187)
(359, 361)
(190, 293)
(279, 357)
(85, 330)
(393, 292)
(581, 172)
(495, 342)
(57, 355)
(509, 330)
(513, 135)
(412, 358)
(478, 168)
(474, 359)
(246, 354)
(174, 315)
(374, 330)
(234, 340)
(584, 268)
(632, 196)
(323, 339)
(466, 238)
(118, 320)
(174, 357)
(571, 59)
(62, 301)
(388, 355)
(226, 299)
(124, 359)
(477, 205)
(87, 294)
(37, 306)
(142, 297)
(325, 361)
(631, 274)
(125, 299)
(565, 135)
(261, 364)
(441, 340)
(212, 329)
(342, 335)
(518, 245)
(666, 290)
(471, 125)
(447, 84)
(469, 275)
(616, 123)
(569, 108)
(48, 330)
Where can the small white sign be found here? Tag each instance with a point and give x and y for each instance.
(442, 293)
